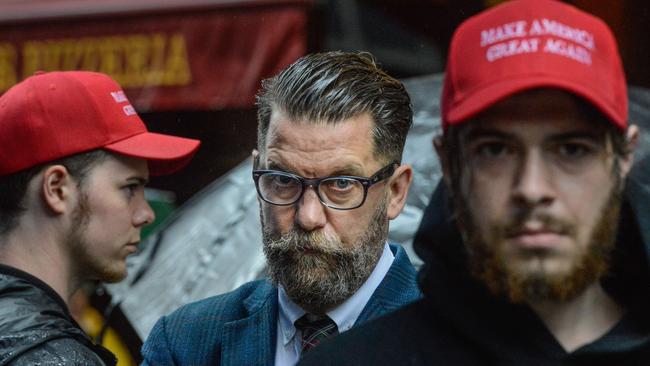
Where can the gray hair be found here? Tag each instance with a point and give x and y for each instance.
(333, 86)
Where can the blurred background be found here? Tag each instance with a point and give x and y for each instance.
(192, 68)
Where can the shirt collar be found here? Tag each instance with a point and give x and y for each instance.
(344, 315)
(289, 313)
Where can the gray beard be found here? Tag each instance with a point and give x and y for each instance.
(319, 273)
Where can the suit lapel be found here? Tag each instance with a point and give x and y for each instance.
(251, 340)
(397, 289)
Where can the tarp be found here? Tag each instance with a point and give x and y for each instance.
(206, 57)
(212, 244)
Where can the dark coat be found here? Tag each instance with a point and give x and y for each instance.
(239, 328)
(458, 322)
(37, 329)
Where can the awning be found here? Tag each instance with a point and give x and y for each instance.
(168, 55)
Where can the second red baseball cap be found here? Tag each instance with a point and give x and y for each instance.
(526, 44)
(52, 115)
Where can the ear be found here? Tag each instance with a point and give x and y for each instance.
(439, 145)
(398, 190)
(57, 188)
(255, 155)
(632, 137)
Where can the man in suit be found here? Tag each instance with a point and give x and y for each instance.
(74, 159)
(332, 128)
(545, 259)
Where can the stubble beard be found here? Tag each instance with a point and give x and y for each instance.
(319, 273)
(87, 266)
(488, 263)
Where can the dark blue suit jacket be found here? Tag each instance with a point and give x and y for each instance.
(239, 327)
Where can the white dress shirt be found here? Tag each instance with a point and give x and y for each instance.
(288, 343)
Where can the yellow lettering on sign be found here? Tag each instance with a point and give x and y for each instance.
(8, 75)
(177, 70)
(135, 61)
(110, 60)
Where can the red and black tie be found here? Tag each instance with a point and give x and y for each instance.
(314, 329)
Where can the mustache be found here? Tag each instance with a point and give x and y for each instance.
(545, 222)
(299, 240)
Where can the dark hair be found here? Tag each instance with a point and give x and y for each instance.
(334, 86)
(14, 186)
(453, 155)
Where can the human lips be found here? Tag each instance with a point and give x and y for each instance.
(132, 247)
(310, 251)
(536, 237)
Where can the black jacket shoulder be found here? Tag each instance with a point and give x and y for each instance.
(36, 327)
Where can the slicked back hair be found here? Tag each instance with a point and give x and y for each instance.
(330, 87)
(13, 187)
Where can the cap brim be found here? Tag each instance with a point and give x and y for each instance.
(166, 154)
(489, 95)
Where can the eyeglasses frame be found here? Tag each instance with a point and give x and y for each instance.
(379, 176)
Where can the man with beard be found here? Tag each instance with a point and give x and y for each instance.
(545, 258)
(332, 128)
(74, 158)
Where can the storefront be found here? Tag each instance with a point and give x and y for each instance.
(189, 67)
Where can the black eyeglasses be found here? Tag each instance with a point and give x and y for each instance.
(342, 192)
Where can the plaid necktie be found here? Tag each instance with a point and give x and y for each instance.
(314, 329)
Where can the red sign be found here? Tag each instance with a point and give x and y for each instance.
(200, 59)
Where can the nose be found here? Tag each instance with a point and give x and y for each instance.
(143, 214)
(533, 183)
(310, 212)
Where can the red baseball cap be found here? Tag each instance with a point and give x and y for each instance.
(526, 44)
(52, 115)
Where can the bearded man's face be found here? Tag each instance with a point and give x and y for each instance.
(320, 272)
(538, 197)
(319, 254)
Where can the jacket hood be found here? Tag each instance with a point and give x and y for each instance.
(513, 334)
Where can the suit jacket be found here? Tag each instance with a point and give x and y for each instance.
(239, 327)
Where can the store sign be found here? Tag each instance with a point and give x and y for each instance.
(192, 61)
(135, 61)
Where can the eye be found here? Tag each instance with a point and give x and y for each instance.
(283, 180)
(340, 187)
(574, 150)
(492, 149)
(130, 189)
(341, 184)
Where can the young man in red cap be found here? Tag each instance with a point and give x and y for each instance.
(544, 260)
(74, 159)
